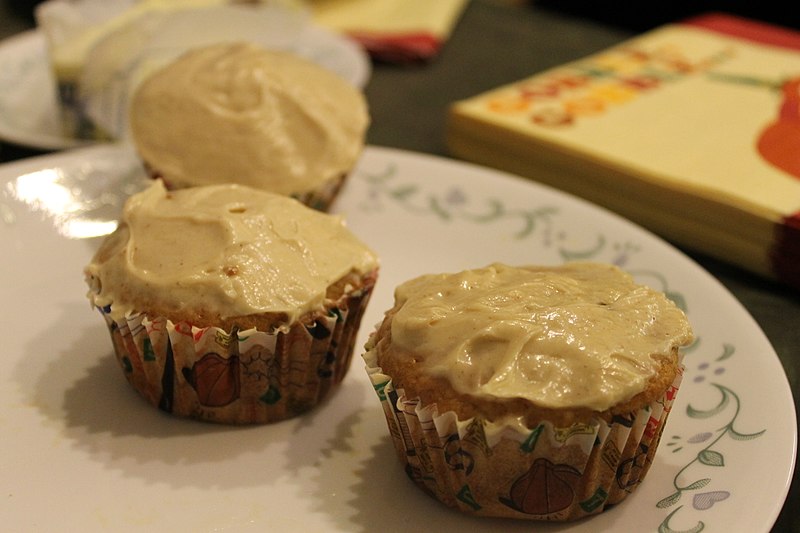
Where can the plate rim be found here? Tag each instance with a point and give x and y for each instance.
(86, 153)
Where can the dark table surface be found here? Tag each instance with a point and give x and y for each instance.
(497, 42)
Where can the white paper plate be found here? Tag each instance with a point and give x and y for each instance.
(82, 452)
(29, 114)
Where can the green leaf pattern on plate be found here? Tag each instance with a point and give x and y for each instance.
(453, 205)
(722, 416)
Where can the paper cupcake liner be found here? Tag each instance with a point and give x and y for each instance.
(323, 197)
(238, 377)
(320, 199)
(509, 470)
(75, 122)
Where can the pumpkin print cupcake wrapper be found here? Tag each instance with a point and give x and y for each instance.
(508, 470)
(75, 122)
(321, 198)
(237, 377)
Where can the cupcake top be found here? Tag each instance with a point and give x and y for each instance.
(222, 251)
(238, 113)
(582, 335)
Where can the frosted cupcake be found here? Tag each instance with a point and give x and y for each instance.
(528, 392)
(238, 113)
(230, 304)
(99, 50)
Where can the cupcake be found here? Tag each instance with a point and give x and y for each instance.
(239, 113)
(230, 304)
(528, 392)
(99, 50)
(72, 30)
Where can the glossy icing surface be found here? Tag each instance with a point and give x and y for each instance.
(583, 334)
(239, 113)
(227, 248)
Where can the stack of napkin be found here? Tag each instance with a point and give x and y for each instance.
(691, 130)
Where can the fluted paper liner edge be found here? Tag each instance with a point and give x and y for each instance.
(509, 470)
(239, 376)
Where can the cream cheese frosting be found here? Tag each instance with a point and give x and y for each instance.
(227, 248)
(578, 335)
(239, 113)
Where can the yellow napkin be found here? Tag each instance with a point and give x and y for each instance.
(392, 30)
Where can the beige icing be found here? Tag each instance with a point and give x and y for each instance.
(226, 248)
(580, 335)
(239, 113)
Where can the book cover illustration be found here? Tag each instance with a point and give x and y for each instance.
(692, 130)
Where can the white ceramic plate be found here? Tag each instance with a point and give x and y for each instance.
(29, 114)
(81, 451)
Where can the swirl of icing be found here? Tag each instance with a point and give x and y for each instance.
(227, 248)
(239, 113)
(578, 335)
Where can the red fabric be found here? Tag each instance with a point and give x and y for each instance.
(399, 47)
